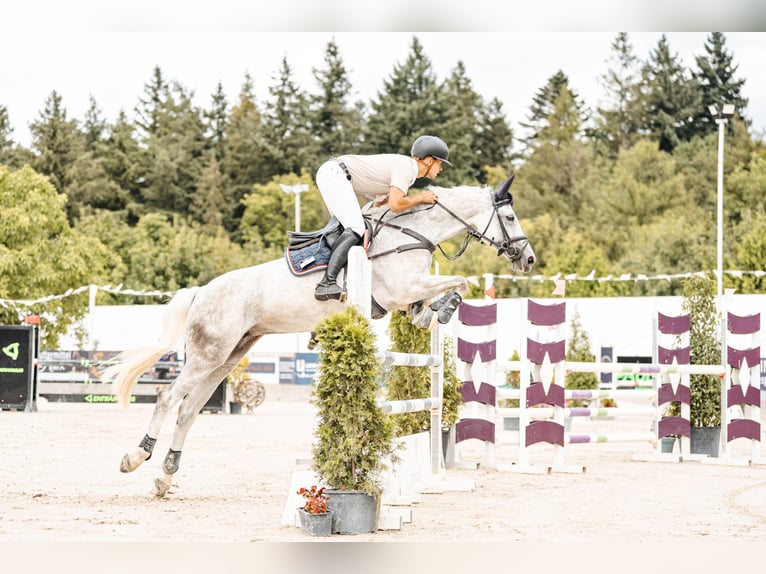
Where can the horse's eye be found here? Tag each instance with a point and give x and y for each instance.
(511, 218)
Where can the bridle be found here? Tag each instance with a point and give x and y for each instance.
(512, 246)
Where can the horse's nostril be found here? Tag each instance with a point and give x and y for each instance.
(531, 260)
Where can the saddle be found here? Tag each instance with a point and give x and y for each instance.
(309, 251)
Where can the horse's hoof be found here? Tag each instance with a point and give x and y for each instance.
(131, 462)
(161, 486)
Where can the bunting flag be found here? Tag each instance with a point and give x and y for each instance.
(474, 280)
(560, 287)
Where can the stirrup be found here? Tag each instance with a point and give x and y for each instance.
(325, 292)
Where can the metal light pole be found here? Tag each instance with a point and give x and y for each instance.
(721, 117)
(297, 189)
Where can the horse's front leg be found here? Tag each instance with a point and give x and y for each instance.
(425, 313)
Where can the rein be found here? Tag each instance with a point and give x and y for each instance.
(471, 232)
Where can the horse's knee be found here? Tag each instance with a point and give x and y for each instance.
(172, 460)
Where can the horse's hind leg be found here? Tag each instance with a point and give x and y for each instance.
(190, 407)
(133, 459)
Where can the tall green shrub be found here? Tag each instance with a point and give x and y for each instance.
(705, 343)
(403, 383)
(354, 437)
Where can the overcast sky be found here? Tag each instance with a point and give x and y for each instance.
(112, 58)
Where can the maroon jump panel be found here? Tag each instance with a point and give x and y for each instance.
(734, 356)
(480, 429)
(669, 426)
(536, 351)
(545, 431)
(467, 351)
(739, 325)
(743, 428)
(536, 395)
(673, 325)
(666, 395)
(485, 395)
(546, 315)
(735, 396)
(666, 356)
(477, 316)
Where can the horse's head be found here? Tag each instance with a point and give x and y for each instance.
(506, 234)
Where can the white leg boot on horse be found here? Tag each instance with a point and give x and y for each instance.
(328, 287)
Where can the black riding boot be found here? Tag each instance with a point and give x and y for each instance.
(327, 288)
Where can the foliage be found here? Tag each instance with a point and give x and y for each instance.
(705, 347)
(316, 501)
(626, 188)
(354, 437)
(579, 350)
(403, 383)
(40, 254)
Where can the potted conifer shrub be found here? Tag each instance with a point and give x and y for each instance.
(354, 437)
(705, 348)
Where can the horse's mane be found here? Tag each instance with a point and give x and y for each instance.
(439, 191)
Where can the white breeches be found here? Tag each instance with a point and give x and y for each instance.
(339, 197)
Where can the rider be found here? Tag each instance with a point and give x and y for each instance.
(384, 177)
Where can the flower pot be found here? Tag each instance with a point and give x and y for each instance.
(667, 443)
(235, 408)
(319, 524)
(354, 511)
(705, 440)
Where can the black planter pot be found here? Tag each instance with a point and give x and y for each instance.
(705, 440)
(353, 511)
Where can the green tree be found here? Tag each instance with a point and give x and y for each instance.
(670, 98)
(171, 132)
(41, 255)
(57, 142)
(411, 103)
(558, 160)
(715, 75)
(617, 121)
(544, 105)
(286, 124)
(244, 162)
(336, 123)
(6, 143)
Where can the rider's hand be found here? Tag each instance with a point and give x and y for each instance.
(427, 197)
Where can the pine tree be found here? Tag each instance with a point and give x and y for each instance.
(286, 124)
(6, 143)
(244, 163)
(670, 99)
(336, 124)
(410, 105)
(715, 75)
(617, 121)
(544, 105)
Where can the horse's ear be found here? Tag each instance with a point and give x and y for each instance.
(503, 194)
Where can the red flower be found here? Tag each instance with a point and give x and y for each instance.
(316, 501)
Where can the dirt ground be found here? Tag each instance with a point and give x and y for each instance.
(60, 485)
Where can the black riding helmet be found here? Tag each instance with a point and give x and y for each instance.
(430, 145)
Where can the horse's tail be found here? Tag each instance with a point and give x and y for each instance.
(133, 364)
